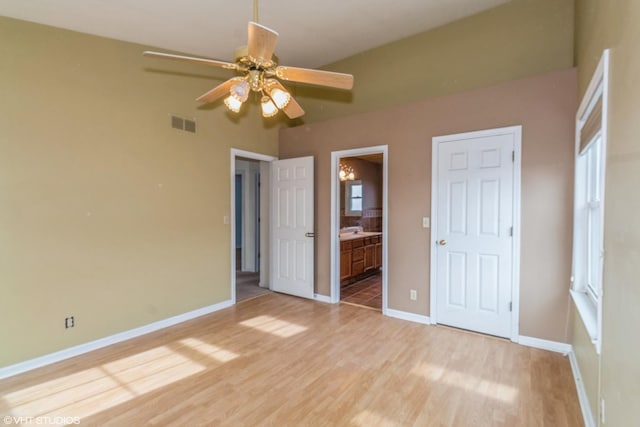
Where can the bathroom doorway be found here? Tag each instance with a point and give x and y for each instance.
(359, 225)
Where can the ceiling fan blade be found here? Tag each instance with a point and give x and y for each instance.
(218, 91)
(315, 77)
(262, 42)
(205, 61)
(293, 110)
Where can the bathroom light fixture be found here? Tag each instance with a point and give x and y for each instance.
(346, 173)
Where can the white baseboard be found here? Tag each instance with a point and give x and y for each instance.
(322, 298)
(18, 368)
(587, 416)
(405, 315)
(558, 347)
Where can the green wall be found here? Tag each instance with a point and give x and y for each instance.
(521, 38)
(107, 213)
(602, 24)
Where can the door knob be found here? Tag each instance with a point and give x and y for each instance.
(309, 234)
(442, 242)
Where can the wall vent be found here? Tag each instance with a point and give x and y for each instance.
(177, 122)
(190, 125)
(181, 123)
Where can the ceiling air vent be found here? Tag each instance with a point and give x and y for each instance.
(181, 123)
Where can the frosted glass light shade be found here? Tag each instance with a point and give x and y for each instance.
(233, 103)
(280, 97)
(240, 90)
(268, 107)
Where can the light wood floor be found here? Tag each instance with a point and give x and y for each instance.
(284, 361)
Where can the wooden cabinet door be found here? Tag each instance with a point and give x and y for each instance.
(345, 264)
(357, 267)
(369, 257)
(378, 255)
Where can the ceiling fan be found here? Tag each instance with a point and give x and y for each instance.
(259, 72)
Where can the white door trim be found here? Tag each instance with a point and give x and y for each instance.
(232, 217)
(516, 131)
(335, 218)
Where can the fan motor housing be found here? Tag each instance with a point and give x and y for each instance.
(242, 58)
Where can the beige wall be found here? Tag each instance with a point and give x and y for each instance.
(605, 24)
(544, 106)
(518, 39)
(107, 213)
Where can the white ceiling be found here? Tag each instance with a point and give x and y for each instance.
(311, 33)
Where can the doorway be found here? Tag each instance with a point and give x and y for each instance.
(475, 213)
(249, 210)
(358, 225)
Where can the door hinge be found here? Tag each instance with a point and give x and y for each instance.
(513, 156)
(511, 306)
(511, 231)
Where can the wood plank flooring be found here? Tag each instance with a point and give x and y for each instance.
(284, 361)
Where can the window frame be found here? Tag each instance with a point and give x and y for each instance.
(348, 197)
(587, 287)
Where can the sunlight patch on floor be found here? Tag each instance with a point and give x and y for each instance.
(213, 351)
(53, 395)
(163, 367)
(91, 391)
(274, 326)
(467, 382)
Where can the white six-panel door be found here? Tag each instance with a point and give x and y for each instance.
(474, 228)
(292, 223)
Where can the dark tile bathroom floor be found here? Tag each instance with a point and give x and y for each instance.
(366, 292)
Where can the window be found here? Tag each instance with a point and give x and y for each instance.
(594, 217)
(588, 231)
(353, 198)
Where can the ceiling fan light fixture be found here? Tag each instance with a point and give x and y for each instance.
(233, 103)
(280, 97)
(269, 109)
(240, 90)
(257, 65)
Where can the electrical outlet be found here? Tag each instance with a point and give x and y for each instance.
(425, 222)
(413, 294)
(69, 322)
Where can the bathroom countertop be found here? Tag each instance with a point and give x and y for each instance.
(358, 235)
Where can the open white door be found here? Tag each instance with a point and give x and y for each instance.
(474, 233)
(292, 225)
